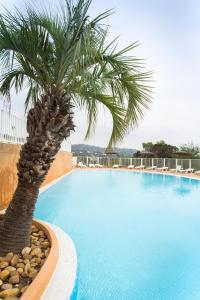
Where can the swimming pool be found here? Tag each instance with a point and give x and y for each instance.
(137, 235)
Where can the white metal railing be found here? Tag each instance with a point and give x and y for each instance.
(171, 163)
(13, 131)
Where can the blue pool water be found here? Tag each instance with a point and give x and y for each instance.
(137, 235)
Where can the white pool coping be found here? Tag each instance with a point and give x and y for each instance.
(63, 280)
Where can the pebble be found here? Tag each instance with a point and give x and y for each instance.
(14, 279)
(4, 275)
(18, 271)
(36, 252)
(9, 292)
(10, 269)
(14, 260)
(4, 264)
(6, 286)
(20, 265)
(26, 250)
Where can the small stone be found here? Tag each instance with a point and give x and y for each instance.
(14, 279)
(11, 254)
(35, 234)
(14, 260)
(26, 261)
(27, 267)
(1, 282)
(8, 257)
(6, 286)
(42, 255)
(36, 252)
(20, 270)
(34, 264)
(3, 264)
(46, 245)
(4, 274)
(10, 269)
(32, 273)
(26, 250)
(24, 275)
(13, 273)
(27, 256)
(38, 260)
(9, 293)
(20, 265)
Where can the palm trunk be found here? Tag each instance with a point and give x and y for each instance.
(48, 123)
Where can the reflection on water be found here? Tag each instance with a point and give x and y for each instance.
(181, 186)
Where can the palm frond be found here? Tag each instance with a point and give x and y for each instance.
(39, 49)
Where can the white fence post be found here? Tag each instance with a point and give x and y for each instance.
(190, 164)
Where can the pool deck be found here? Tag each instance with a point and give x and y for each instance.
(184, 175)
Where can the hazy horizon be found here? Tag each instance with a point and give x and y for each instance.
(169, 42)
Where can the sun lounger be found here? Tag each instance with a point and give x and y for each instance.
(130, 167)
(189, 170)
(81, 165)
(162, 169)
(98, 166)
(182, 171)
(197, 172)
(91, 165)
(115, 166)
(140, 167)
(152, 168)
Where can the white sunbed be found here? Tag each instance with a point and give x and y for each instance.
(98, 166)
(140, 167)
(189, 170)
(81, 165)
(162, 169)
(152, 168)
(197, 172)
(131, 167)
(115, 166)
(91, 165)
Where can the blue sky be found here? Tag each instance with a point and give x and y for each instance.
(169, 35)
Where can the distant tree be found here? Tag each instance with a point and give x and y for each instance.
(192, 150)
(137, 154)
(159, 149)
(147, 146)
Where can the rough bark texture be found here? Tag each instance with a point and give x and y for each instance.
(48, 124)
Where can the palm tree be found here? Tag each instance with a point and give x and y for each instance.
(64, 61)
